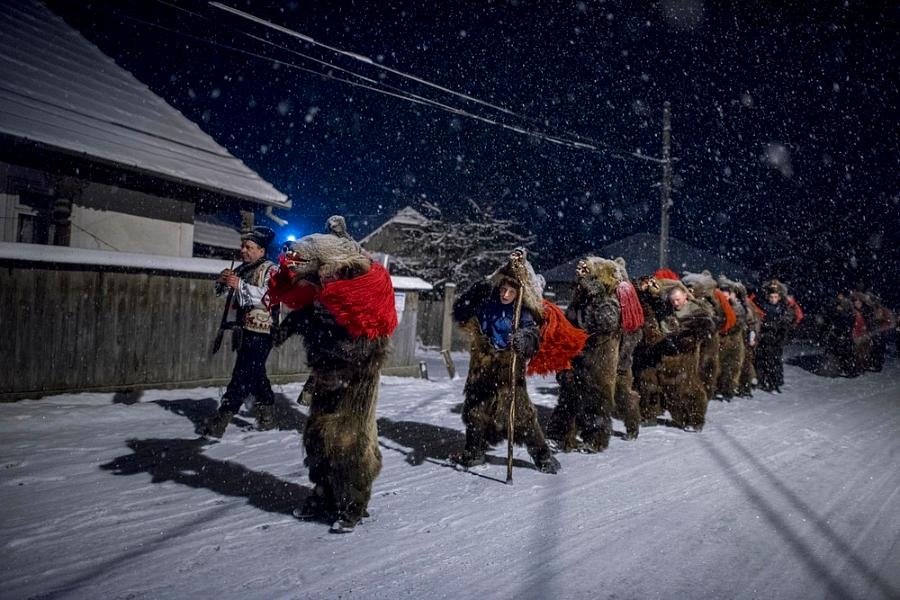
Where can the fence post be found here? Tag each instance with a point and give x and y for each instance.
(447, 328)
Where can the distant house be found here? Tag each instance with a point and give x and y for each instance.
(91, 158)
(641, 254)
(385, 239)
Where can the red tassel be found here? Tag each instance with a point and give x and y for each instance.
(560, 343)
(632, 312)
(666, 274)
(730, 317)
(798, 312)
(759, 312)
(283, 290)
(363, 305)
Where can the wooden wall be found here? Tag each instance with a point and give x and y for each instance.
(430, 325)
(81, 328)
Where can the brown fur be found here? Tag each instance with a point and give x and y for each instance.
(647, 355)
(488, 392)
(703, 286)
(587, 396)
(341, 435)
(731, 361)
(682, 390)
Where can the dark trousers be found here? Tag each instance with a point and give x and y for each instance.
(249, 374)
(769, 368)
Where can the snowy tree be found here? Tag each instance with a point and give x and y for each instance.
(459, 251)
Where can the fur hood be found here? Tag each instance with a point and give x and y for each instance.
(702, 284)
(519, 273)
(323, 257)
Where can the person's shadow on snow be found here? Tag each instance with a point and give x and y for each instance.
(287, 417)
(182, 461)
(431, 443)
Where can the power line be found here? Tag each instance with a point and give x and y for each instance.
(590, 144)
(382, 88)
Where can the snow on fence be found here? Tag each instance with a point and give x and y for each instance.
(87, 320)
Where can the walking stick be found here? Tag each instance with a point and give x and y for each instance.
(511, 424)
(223, 324)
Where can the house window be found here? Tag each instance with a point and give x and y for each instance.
(34, 224)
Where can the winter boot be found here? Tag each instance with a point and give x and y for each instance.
(468, 458)
(265, 417)
(342, 526)
(544, 460)
(315, 507)
(215, 426)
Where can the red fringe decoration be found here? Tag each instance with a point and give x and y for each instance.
(560, 343)
(859, 326)
(666, 274)
(283, 290)
(730, 317)
(798, 312)
(632, 312)
(759, 312)
(363, 305)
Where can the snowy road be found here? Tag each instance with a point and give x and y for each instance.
(791, 496)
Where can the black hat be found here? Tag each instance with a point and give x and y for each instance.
(260, 235)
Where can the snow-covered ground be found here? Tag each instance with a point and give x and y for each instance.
(790, 496)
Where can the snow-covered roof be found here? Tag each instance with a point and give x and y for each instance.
(405, 216)
(64, 255)
(412, 284)
(82, 256)
(60, 91)
(641, 253)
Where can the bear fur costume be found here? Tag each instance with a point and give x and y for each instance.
(684, 330)
(627, 400)
(647, 357)
(753, 324)
(731, 343)
(491, 385)
(343, 307)
(703, 288)
(587, 392)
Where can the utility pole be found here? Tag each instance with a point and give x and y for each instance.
(665, 199)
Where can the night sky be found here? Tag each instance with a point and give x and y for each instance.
(784, 120)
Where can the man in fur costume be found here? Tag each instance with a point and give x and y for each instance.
(587, 392)
(684, 329)
(731, 344)
(342, 304)
(648, 353)
(704, 291)
(488, 313)
(250, 330)
(627, 405)
(751, 337)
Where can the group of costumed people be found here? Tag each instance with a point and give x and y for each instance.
(856, 328)
(623, 348)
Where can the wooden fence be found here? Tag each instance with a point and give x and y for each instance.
(86, 327)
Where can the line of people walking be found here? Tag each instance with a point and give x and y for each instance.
(623, 348)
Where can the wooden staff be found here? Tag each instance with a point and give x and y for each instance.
(511, 424)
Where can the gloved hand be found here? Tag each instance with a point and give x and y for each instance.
(524, 342)
(669, 325)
